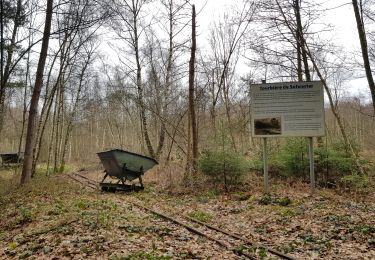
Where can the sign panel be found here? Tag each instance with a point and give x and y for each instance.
(287, 109)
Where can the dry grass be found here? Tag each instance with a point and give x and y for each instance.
(172, 180)
(9, 179)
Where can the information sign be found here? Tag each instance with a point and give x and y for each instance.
(287, 109)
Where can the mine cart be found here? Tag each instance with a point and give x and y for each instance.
(123, 166)
(11, 158)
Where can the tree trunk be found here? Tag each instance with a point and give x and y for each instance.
(50, 146)
(48, 102)
(2, 88)
(69, 127)
(193, 123)
(139, 83)
(24, 110)
(347, 143)
(59, 122)
(364, 48)
(167, 81)
(33, 113)
(227, 113)
(213, 105)
(298, 40)
(50, 96)
(6, 73)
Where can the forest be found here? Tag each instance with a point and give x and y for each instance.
(166, 86)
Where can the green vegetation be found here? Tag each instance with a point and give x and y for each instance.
(291, 159)
(333, 163)
(25, 215)
(358, 182)
(335, 159)
(141, 255)
(206, 196)
(26, 254)
(221, 163)
(201, 216)
(224, 167)
(288, 212)
(267, 199)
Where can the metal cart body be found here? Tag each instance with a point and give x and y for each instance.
(124, 166)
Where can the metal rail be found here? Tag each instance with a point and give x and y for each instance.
(93, 184)
(195, 231)
(83, 180)
(247, 241)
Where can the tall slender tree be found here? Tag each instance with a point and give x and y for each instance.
(9, 44)
(127, 26)
(31, 127)
(306, 46)
(192, 114)
(226, 37)
(358, 12)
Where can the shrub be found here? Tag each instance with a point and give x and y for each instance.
(221, 163)
(332, 162)
(292, 159)
(224, 167)
(26, 215)
(335, 160)
(358, 182)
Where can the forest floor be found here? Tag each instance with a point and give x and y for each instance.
(54, 217)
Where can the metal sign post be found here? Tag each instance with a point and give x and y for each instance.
(265, 166)
(265, 162)
(311, 159)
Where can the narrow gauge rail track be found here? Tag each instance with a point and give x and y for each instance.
(232, 242)
(87, 182)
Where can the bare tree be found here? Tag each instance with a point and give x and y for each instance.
(77, 22)
(192, 114)
(17, 15)
(30, 136)
(313, 59)
(226, 37)
(89, 51)
(164, 46)
(127, 26)
(358, 12)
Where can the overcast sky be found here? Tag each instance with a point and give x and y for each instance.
(339, 14)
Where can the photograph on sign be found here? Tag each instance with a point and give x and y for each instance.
(267, 126)
(287, 109)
